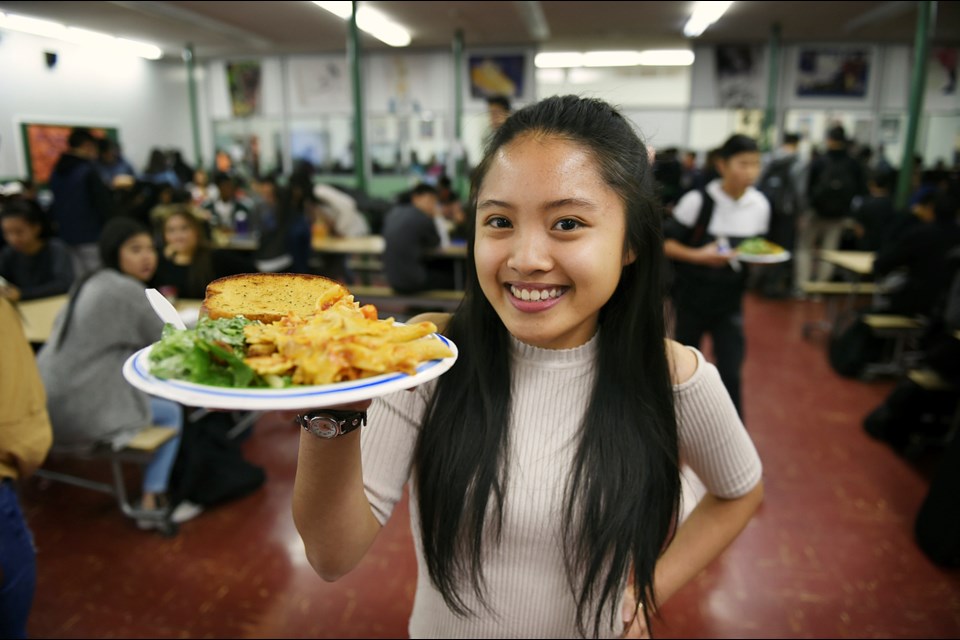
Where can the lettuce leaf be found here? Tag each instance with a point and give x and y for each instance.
(211, 354)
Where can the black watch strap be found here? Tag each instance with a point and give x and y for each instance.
(331, 423)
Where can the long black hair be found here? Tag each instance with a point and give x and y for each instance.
(623, 492)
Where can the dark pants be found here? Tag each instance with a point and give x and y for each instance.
(18, 564)
(729, 346)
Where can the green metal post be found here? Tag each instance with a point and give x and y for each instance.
(770, 116)
(194, 118)
(359, 145)
(460, 177)
(926, 16)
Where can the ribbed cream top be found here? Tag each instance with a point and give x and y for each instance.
(527, 586)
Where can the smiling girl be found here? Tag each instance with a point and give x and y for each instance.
(544, 467)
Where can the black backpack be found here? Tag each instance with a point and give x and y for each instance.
(778, 185)
(835, 189)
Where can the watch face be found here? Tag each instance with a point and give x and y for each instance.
(324, 426)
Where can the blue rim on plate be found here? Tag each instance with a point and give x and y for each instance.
(136, 370)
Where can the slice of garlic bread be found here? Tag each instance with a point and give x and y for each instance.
(268, 297)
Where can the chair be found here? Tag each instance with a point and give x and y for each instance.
(139, 450)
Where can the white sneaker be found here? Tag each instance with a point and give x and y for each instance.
(185, 510)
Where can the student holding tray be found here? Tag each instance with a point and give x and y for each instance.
(544, 466)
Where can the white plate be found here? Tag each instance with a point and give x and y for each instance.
(137, 372)
(763, 258)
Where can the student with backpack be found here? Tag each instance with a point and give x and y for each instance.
(836, 178)
(783, 182)
(701, 238)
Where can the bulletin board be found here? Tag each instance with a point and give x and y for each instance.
(43, 142)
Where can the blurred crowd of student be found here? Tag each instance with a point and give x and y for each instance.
(839, 196)
(206, 224)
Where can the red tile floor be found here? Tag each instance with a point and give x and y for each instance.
(830, 554)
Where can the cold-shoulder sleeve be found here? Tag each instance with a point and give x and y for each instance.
(713, 440)
(386, 446)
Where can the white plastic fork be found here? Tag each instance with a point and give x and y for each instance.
(164, 309)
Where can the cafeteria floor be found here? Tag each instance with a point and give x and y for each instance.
(830, 554)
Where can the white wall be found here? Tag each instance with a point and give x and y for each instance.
(147, 101)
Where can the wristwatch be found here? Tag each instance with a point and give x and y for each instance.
(330, 423)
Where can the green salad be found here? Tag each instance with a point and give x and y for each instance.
(211, 354)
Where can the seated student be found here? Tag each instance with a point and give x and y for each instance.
(33, 264)
(114, 169)
(876, 216)
(284, 242)
(899, 417)
(919, 256)
(107, 319)
(230, 213)
(410, 230)
(188, 263)
(452, 208)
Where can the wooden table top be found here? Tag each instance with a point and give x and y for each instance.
(374, 245)
(38, 315)
(860, 262)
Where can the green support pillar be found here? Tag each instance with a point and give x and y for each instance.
(926, 17)
(194, 118)
(359, 145)
(460, 170)
(770, 115)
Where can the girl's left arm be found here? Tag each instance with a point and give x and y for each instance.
(707, 531)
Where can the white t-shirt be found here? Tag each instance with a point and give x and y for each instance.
(744, 218)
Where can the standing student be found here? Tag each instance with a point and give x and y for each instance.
(498, 110)
(836, 179)
(82, 203)
(544, 465)
(25, 438)
(706, 227)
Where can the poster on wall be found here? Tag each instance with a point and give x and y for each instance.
(243, 78)
(497, 75)
(44, 142)
(320, 84)
(941, 86)
(833, 73)
(738, 76)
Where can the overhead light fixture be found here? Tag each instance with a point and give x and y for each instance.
(666, 58)
(82, 37)
(370, 21)
(558, 60)
(704, 15)
(649, 58)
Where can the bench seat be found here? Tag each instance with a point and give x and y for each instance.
(138, 450)
(840, 288)
(445, 299)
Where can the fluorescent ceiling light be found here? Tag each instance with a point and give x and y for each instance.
(370, 21)
(666, 58)
(650, 58)
(704, 15)
(83, 37)
(611, 58)
(558, 60)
